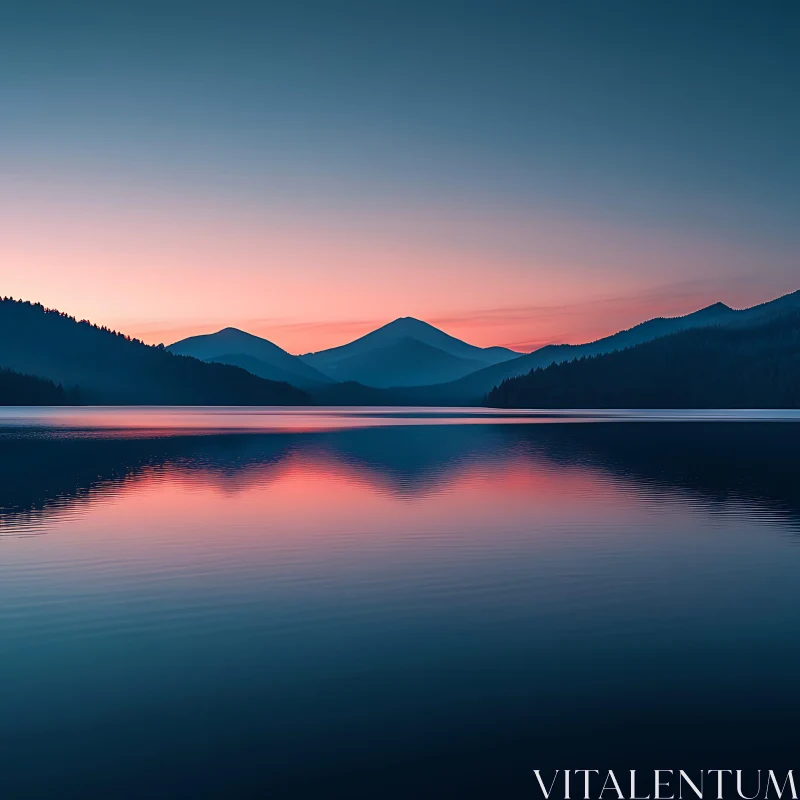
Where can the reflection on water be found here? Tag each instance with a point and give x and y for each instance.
(166, 420)
(409, 609)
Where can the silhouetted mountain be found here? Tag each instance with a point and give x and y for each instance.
(109, 368)
(405, 362)
(754, 363)
(28, 390)
(387, 356)
(472, 388)
(253, 353)
(786, 304)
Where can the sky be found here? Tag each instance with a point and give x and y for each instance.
(517, 173)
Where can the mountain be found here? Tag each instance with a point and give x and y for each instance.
(98, 366)
(472, 388)
(256, 355)
(772, 309)
(405, 362)
(753, 363)
(406, 352)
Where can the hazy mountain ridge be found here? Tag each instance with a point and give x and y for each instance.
(109, 368)
(401, 341)
(754, 363)
(386, 367)
(472, 388)
(405, 352)
(409, 361)
(410, 327)
(253, 353)
(264, 370)
(405, 362)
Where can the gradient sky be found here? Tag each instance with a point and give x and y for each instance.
(515, 172)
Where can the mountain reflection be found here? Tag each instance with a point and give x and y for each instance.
(47, 474)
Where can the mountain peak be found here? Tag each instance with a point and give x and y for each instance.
(714, 310)
(408, 321)
(405, 340)
(253, 353)
(232, 330)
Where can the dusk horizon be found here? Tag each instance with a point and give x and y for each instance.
(617, 314)
(657, 305)
(343, 333)
(307, 175)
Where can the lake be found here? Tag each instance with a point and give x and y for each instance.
(392, 602)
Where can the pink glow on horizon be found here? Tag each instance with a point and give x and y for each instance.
(521, 329)
(162, 270)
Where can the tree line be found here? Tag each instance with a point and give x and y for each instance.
(716, 367)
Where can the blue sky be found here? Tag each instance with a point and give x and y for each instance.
(565, 154)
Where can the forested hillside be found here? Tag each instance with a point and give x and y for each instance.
(28, 390)
(754, 366)
(108, 367)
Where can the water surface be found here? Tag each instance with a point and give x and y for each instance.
(412, 603)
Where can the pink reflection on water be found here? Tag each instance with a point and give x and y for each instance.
(310, 502)
(166, 420)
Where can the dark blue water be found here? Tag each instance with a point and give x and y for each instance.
(206, 607)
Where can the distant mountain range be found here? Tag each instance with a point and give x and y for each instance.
(479, 383)
(406, 362)
(472, 388)
(406, 352)
(753, 361)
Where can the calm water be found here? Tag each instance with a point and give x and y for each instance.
(391, 603)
